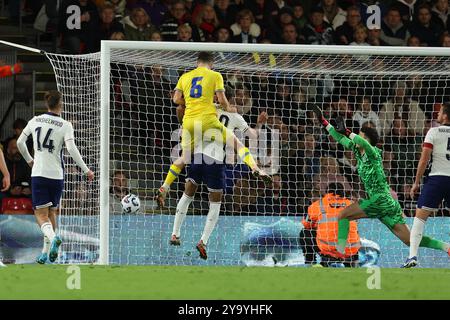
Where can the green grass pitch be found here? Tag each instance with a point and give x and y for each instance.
(184, 282)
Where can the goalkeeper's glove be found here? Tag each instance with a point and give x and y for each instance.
(340, 127)
(319, 116)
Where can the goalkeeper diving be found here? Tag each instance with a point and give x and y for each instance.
(380, 204)
(196, 90)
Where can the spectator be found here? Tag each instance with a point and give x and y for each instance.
(300, 19)
(119, 189)
(245, 195)
(401, 106)
(206, 22)
(344, 33)
(18, 125)
(311, 165)
(17, 166)
(393, 31)
(117, 36)
(407, 203)
(108, 25)
(317, 31)
(440, 14)
(156, 9)
(360, 37)
(334, 15)
(427, 30)
(176, 16)
(185, 33)
(413, 41)
(405, 145)
(118, 6)
(271, 200)
(138, 26)
(241, 99)
(156, 36)
(445, 40)
(290, 35)
(245, 30)
(226, 12)
(222, 34)
(329, 172)
(74, 40)
(407, 8)
(285, 17)
(364, 113)
(17, 200)
(320, 230)
(374, 36)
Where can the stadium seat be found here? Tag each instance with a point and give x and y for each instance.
(16, 206)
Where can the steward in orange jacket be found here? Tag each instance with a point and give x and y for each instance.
(320, 231)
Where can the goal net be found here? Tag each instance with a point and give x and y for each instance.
(126, 127)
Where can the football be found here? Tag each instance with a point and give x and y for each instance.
(130, 203)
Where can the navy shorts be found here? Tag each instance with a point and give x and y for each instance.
(435, 189)
(46, 192)
(213, 175)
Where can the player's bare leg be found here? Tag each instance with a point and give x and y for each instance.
(182, 207)
(352, 212)
(215, 199)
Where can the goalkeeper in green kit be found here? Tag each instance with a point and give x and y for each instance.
(380, 203)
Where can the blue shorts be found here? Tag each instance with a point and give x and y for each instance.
(435, 189)
(212, 174)
(46, 192)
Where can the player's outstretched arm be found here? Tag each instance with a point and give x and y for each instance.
(355, 139)
(340, 138)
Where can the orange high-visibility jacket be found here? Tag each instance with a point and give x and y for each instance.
(6, 71)
(323, 216)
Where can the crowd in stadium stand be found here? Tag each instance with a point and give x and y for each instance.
(401, 110)
(345, 22)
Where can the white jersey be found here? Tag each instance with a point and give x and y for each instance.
(215, 149)
(50, 132)
(438, 139)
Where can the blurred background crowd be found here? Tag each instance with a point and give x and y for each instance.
(323, 22)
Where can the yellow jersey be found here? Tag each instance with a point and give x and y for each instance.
(198, 87)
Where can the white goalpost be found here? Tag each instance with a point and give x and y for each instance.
(119, 101)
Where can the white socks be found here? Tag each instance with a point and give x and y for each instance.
(46, 246)
(416, 236)
(48, 231)
(182, 209)
(211, 220)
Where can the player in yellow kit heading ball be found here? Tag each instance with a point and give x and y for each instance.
(196, 90)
